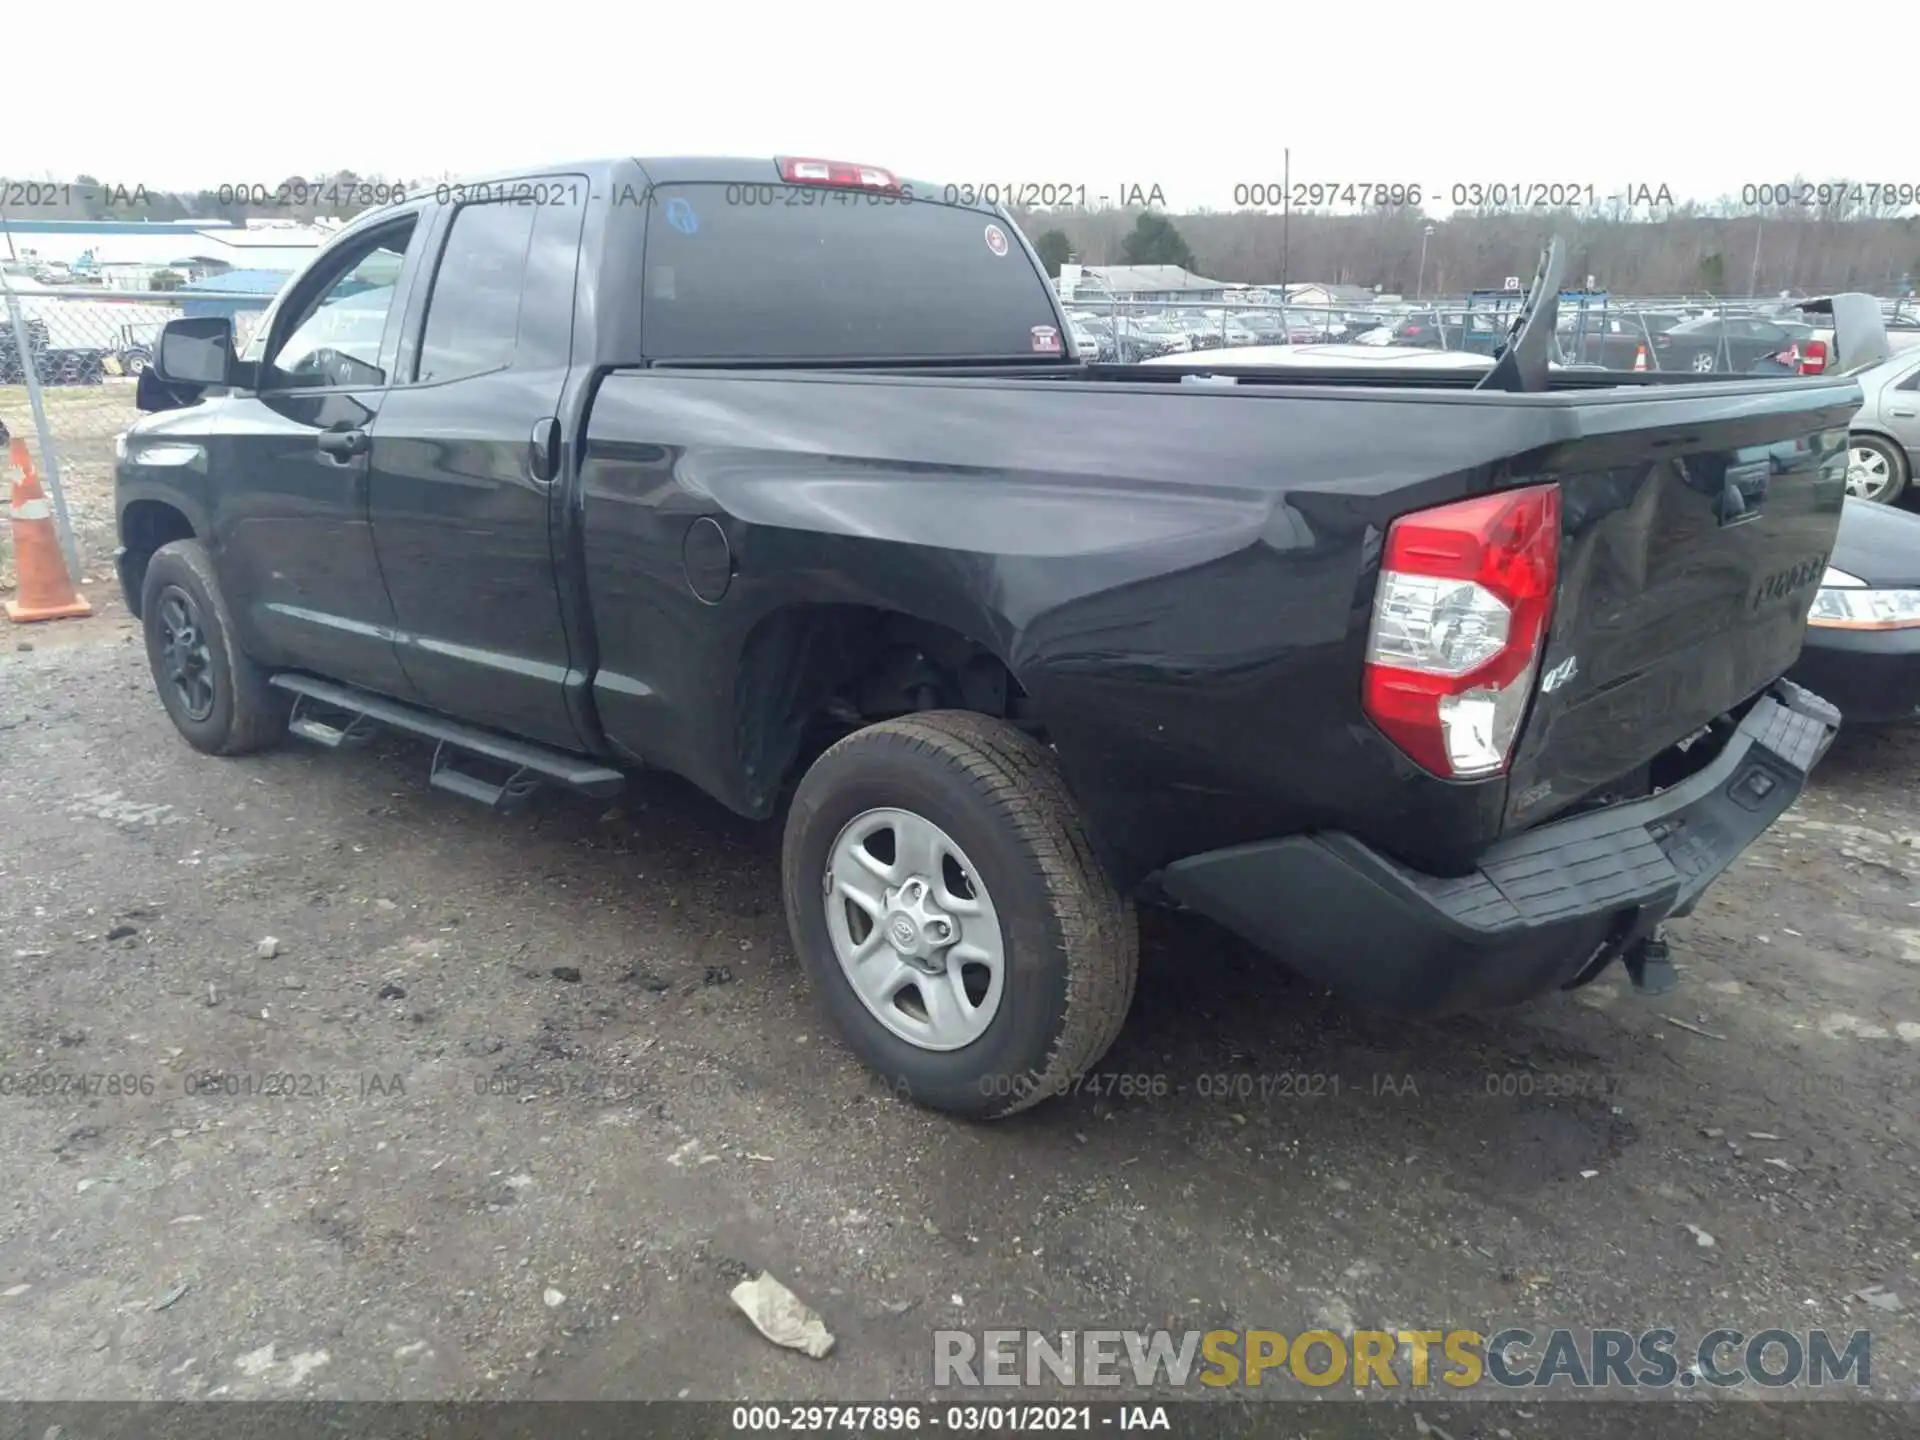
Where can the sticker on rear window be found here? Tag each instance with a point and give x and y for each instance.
(1046, 339)
(996, 240)
(680, 215)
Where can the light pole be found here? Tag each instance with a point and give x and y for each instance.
(1420, 280)
(1286, 216)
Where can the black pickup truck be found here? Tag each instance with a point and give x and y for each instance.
(1447, 687)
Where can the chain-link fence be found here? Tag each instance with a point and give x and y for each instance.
(1697, 334)
(84, 350)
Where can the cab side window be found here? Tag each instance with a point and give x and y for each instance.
(334, 342)
(473, 311)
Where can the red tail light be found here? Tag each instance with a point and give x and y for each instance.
(843, 173)
(1814, 360)
(1459, 620)
(1412, 329)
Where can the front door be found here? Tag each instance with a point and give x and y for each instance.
(294, 545)
(468, 459)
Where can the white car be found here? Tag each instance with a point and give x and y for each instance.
(1399, 356)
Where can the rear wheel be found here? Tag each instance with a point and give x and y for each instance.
(1703, 362)
(218, 699)
(1876, 470)
(942, 893)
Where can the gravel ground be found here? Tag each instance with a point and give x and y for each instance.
(556, 1084)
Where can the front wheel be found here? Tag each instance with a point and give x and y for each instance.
(217, 698)
(1876, 470)
(943, 895)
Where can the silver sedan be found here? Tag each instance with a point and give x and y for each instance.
(1884, 443)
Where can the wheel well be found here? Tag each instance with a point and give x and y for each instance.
(146, 525)
(810, 674)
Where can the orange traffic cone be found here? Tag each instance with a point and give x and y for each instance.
(1640, 358)
(46, 592)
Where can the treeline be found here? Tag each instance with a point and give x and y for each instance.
(1721, 247)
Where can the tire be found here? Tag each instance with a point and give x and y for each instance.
(1876, 470)
(1704, 362)
(241, 712)
(1069, 950)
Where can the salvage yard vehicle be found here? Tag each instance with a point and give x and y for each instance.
(1884, 442)
(1723, 342)
(1863, 634)
(1446, 685)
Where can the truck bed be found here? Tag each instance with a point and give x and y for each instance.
(1179, 574)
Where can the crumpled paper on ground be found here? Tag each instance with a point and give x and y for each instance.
(781, 1316)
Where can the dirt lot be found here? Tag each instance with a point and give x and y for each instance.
(557, 1084)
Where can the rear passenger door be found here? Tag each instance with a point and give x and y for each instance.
(467, 454)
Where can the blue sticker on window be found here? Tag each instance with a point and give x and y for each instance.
(680, 215)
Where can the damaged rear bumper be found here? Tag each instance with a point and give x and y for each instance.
(1540, 909)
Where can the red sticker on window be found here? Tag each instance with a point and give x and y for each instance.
(996, 240)
(1046, 339)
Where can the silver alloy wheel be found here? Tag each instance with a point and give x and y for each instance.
(1703, 363)
(1868, 473)
(914, 929)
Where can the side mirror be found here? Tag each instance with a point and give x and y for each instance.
(151, 393)
(196, 350)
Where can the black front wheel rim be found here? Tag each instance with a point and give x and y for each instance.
(186, 660)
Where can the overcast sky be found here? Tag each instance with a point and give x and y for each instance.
(1196, 99)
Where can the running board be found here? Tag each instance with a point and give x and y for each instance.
(522, 765)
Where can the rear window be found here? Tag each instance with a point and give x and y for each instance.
(779, 272)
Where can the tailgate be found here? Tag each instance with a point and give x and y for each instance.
(1696, 524)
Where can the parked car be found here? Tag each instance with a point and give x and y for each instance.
(690, 485)
(1730, 343)
(1132, 340)
(1201, 333)
(1310, 356)
(1165, 335)
(1086, 344)
(1266, 327)
(1863, 634)
(1817, 353)
(1422, 328)
(1312, 327)
(1106, 347)
(1233, 332)
(1616, 340)
(1379, 358)
(1884, 437)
